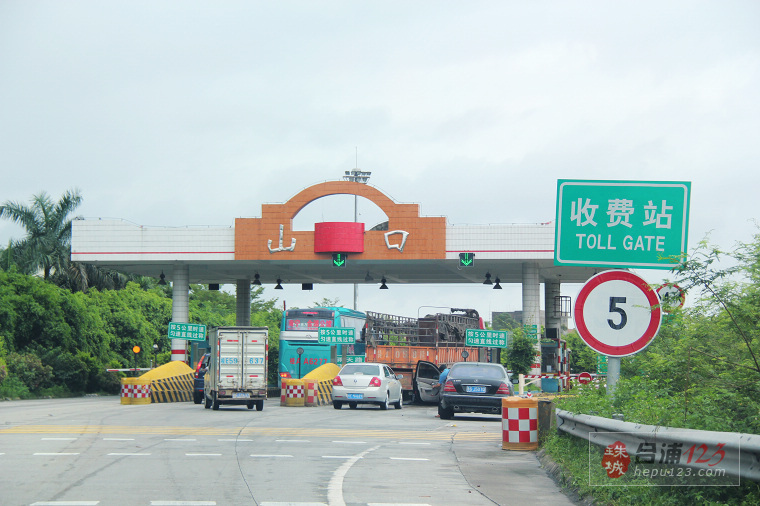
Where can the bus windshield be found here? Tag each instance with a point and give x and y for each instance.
(308, 319)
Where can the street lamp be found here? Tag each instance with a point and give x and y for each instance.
(357, 176)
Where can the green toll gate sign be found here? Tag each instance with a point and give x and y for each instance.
(636, 224)
(339, 259)
(466, 259)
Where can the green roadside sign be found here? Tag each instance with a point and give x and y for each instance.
(336, 335)
(601, 364)
(189, 331)
(636, 224)
(488, 338)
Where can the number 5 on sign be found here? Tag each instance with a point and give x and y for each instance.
(617, 313)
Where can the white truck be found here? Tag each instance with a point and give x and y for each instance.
(237, 368)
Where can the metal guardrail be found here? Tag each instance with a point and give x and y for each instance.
(739, 453)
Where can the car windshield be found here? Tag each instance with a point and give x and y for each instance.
(360, 369)
(477, 371)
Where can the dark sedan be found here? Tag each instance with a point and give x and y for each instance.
(474, 387)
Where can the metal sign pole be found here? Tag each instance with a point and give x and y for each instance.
(613, 374)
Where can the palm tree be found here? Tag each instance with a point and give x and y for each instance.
(47, 245)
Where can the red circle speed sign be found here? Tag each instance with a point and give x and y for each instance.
(617, 313)
(672, 297)
(584, 378)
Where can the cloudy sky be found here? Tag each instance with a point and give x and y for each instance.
(195, 113)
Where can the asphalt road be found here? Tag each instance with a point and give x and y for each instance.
(90, 451)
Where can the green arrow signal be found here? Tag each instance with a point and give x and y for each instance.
(339, 259)
(466, 259)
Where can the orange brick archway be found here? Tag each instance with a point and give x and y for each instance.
(256, 237)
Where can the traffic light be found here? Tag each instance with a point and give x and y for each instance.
(339, 259)
(466, 259)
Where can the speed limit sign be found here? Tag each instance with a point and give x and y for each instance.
(617, 313)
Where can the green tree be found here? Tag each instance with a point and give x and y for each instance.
(326, 302)
(520, 353)
(582, 358)
(47, 245)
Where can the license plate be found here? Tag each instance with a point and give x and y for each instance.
(355, 396)
(475, 389)
(240, 395)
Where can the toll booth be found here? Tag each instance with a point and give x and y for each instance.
(197, 350)
(554, 364)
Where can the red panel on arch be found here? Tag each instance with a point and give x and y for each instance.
(338, 237)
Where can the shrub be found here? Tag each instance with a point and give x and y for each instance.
(68, 370)
(29, 369)
(14, 388)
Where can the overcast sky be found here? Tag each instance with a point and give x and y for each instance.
(195, 113)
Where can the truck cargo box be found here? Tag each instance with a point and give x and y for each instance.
(237, 370)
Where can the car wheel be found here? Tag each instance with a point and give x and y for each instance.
(260, 405)
(197, 397)
(352, 405)
(215, 401)
(385, 403)
(400, 402)
(337, 404)
(249, 404)
(445, 413)
(206, 401)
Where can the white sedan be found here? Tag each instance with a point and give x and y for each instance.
(365, 383)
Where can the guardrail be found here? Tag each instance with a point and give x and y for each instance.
(739, 454)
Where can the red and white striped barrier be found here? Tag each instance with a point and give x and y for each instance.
(519, 423)
(292, 392)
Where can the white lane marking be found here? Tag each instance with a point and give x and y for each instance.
(335, 487)
(185, 439)
(65, 503)
(58, 438)
(351, 442)
(292, 504)
(54, 454)
(203, 454)
(406, 458)
(272, 456)
(183, 503)
(118, 439)
(129, 454)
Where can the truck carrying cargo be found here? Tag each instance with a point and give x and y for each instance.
(419, 347)
(237, 368)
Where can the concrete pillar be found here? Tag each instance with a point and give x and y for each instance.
(180, 307)
(243, 303)
(531, 304)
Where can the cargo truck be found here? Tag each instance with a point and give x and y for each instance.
(418, 348)
(237, 367)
